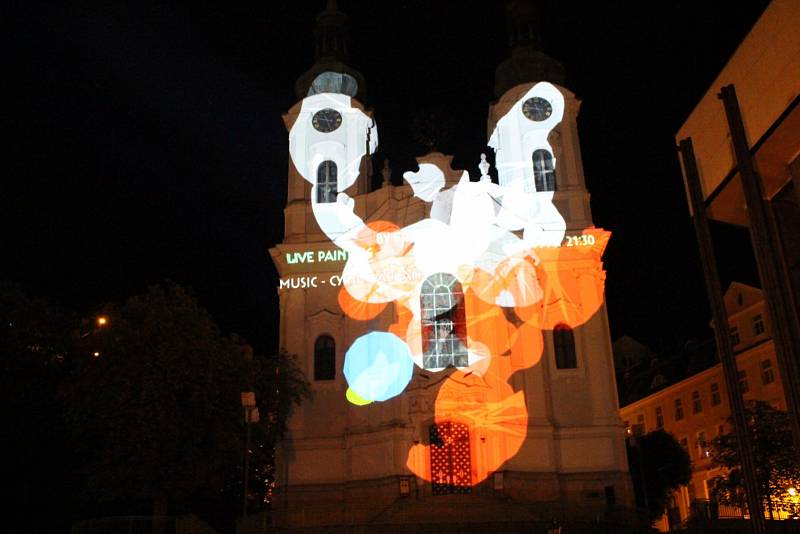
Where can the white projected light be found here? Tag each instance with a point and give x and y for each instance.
(467, 243)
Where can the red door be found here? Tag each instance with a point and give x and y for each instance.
(450, 459)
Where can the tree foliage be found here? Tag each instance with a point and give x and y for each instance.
(153, 403)
(142, 413)
(154, 406)
(658, 466)
(776, 460)
(279, 385)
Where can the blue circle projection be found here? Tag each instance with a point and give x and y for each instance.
(378, 366)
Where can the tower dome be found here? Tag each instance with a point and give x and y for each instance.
(330, 73)
(527, 62)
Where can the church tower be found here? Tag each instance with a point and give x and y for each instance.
(453, 329)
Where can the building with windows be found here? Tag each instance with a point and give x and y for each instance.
(695, 409)
(453, 328)
(740, 149)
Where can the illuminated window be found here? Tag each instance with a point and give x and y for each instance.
(758, 325)
(324, 358)
(767, 374)
(702, 445)
(735, 340)
(444, 327)
(697, 403)
(326, 182)
(678, 409)
(659, 417)
(715, 398)
(639, 428)
(744, 386)
(544, 172)
(451, 468)
(564, 342)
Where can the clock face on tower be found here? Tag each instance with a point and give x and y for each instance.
(326, 120)
(537, 109)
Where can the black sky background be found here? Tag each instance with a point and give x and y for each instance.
(145, 141)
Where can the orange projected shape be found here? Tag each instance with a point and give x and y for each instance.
(573, 280)
(489, 410)
(505, 314)
(370, 236)
(358, 309)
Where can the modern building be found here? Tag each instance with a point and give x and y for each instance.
(695, 409)
(741, 146)
(446, 389)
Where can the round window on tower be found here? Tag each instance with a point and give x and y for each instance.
(326, 120)
(537, 109)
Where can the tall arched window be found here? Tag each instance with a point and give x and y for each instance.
(544, 172)
(324, 358)
(564, 342)
(444, 326)
(326, 182)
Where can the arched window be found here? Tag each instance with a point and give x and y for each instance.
(324, 358)
(444, 326)
(326, 182)
(544, 172)
(564, 342)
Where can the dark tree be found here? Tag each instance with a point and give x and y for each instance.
(279, 386)
(154, 409)
(153, 404)
(658, 466)
(776, 460)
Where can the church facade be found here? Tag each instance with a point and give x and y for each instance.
(453, 329)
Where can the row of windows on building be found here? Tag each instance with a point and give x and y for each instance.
(767, 377)
(702, 445)
(701, 442)
(544, 177)
(444, 332)
(757, 325)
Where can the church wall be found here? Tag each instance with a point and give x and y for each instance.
(343, 463)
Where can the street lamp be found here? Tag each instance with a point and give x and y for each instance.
(635, 442)
(250, 416)
(102, 320)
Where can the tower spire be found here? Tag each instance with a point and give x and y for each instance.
(330, 73)
(522, 25)
(527, 62)
(332, 32)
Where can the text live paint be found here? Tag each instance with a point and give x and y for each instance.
(318, 256)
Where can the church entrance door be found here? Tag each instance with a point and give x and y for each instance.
(451, 470)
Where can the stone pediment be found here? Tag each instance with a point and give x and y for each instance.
(324, 314)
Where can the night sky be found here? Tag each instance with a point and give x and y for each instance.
(146, 142)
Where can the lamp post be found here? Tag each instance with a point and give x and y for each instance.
(250, 416)
(636, 443)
